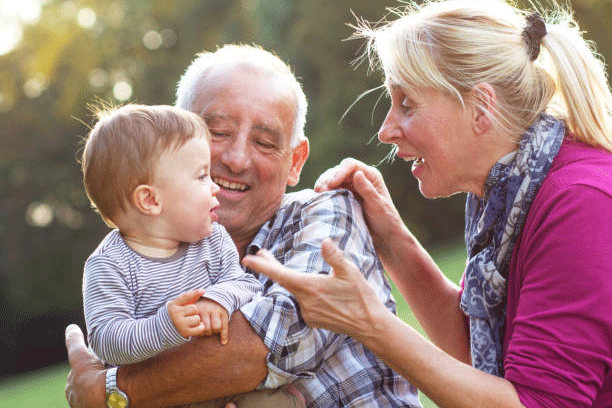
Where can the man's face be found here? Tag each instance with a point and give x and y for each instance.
(250, 114)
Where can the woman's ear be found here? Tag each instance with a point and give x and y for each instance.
(484, 102)
(146, 200)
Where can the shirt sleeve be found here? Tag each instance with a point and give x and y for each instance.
(231, 287)
(297, 350)
(560, 349)
(114, 334)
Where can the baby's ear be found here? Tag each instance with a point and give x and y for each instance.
(146, 200)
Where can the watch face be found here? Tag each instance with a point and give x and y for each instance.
(116, 400)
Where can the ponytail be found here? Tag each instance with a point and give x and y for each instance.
(583, 95)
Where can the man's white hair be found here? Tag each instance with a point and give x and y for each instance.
(187, 87)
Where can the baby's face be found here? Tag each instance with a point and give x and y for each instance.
(186, 191)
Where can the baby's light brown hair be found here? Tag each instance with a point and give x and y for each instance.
(122, 149)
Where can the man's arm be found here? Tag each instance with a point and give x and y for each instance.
(199, 370)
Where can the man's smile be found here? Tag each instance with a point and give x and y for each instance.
(230, 185)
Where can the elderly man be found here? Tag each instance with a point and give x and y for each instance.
(256, 109)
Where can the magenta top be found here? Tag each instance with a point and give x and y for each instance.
(558, 338)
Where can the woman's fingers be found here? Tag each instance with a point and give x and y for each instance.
(339, 176)
(335, 258)
(264, 262)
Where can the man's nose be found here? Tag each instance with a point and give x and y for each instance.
(237, 157)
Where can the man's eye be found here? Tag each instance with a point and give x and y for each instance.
(265, 144)
(219, 133)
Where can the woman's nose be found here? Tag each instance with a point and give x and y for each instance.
(388, 130)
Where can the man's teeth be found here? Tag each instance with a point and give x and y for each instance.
(230, 185)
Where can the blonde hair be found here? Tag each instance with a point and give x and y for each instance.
(455, 45)
(121, 151)
(186, 91)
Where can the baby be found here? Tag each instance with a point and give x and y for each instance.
(146, 170)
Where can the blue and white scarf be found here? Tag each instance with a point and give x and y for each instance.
(492, 225)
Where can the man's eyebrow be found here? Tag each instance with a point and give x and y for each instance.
(268, 129)
(216, 116)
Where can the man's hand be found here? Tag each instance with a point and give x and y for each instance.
(214, 318)
(85, 386)
(184, 314)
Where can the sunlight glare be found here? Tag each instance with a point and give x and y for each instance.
(10, 36)
(13, 15)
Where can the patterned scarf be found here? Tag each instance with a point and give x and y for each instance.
(492, 225)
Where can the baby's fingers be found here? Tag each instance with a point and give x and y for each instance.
(219, 324)
(188, 297)
(224, 335)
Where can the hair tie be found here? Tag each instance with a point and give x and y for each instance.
(533, 33)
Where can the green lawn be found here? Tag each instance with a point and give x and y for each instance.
(45, 387)
(41, 388)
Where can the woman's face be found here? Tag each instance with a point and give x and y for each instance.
(436, 134)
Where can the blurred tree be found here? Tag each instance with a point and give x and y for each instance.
(136, 50)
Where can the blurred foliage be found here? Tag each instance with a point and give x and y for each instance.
(81, 50)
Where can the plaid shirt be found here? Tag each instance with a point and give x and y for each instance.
(331, 370)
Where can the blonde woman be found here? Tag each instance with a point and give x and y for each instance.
(512, 108)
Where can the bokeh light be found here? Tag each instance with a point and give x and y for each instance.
(98, 78)
(39, 214)
(122, 91)
(152, 40)
(86, 17)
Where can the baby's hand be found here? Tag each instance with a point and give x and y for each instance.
(184, 314)
(215, 319)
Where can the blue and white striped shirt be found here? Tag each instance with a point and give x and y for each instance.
(331, 370)
(125, 293)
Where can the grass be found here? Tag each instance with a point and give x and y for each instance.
(451, 259)
(40, 388)
(45, 387)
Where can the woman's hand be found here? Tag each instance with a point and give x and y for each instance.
(342, 302)
(368, 185)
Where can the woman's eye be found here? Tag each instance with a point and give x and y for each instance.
(406, 105)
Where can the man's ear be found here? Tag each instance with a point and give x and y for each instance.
(484, 104)
(146, 200)
(300, 154)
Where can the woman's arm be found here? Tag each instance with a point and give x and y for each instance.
(432, 297)
(344, 302)
(199, 370)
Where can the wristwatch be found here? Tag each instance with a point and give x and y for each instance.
(115, 398)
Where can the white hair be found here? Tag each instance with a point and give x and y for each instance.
(186, 92)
